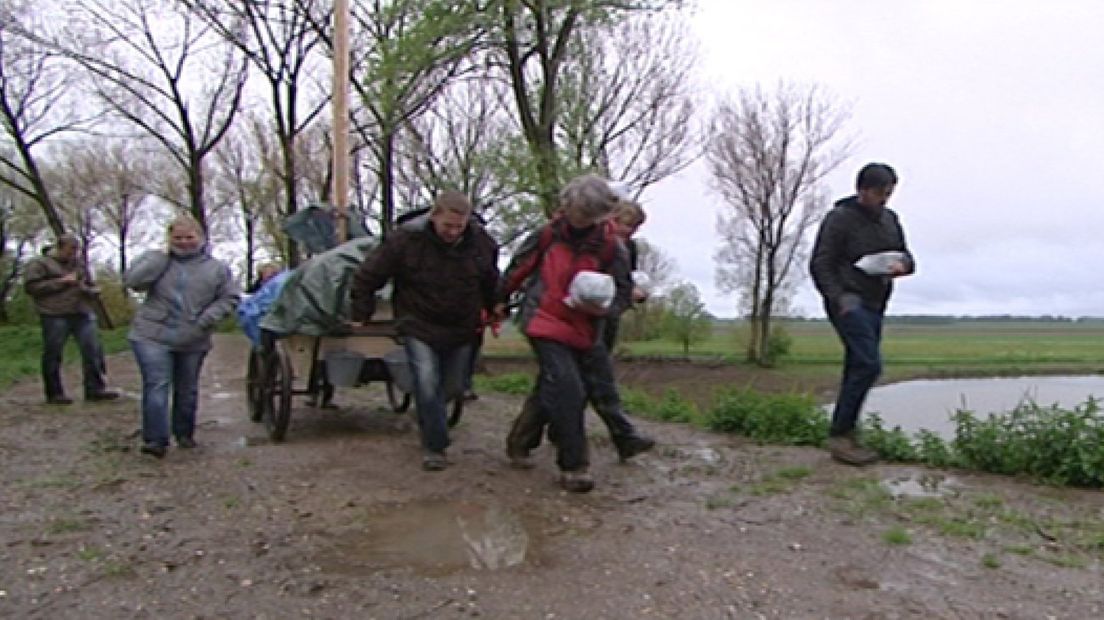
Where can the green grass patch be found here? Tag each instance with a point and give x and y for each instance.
(65, 525)
(22, 346)
(90, 554)
(897, 536)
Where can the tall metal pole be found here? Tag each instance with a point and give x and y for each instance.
(340, 107)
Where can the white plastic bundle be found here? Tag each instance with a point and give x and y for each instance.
(591, 287)
(880, 263)
(642, 281)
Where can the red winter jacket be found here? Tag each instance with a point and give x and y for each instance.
(543, 267)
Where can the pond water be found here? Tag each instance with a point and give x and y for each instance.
(929, 403)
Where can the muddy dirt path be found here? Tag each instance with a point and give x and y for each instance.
(340, 522)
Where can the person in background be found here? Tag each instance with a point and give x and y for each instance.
(855, 300)
(574, 363)
(444, 268)
(626, 219)
(62, 295)
(187, 292)
(265, 272)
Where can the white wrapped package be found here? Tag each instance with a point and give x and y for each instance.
(642, 281)
(591, 287)
(879, 264)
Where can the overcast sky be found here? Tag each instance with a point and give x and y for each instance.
(992, 113)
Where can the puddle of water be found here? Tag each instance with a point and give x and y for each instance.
(223, 395)
(929, 404)
(434, 539)
(922, 484)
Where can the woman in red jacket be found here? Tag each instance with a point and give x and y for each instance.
(566, 337)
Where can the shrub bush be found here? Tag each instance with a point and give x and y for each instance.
(769, 418)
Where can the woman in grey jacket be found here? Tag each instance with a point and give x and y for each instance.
(187, 293)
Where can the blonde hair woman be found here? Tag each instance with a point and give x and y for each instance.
(187, 293)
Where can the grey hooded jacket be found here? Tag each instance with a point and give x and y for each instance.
(186, 295)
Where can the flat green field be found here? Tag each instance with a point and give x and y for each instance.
(952, 348)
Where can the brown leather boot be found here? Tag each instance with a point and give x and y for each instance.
(846, 449)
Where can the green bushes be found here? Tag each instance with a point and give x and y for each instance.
(769, 418)
(1049, 444)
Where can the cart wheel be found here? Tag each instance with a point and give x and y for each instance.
(400, 400)
(457, 411)
(254, 386)
(278, 394)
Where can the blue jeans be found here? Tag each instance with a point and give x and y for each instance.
(55, 331)
(439, 374)
(860, 330)
(164, 369)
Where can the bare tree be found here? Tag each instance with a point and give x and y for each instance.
(628, 100)
(280, 39)
(20, 227)
(33, 96)
(412, 49)
(768, 154)
(107, 179)
(466, 142)
(533, 41)
(165, 74)
(246, 186)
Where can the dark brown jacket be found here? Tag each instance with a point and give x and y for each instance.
(52, 297)
(439, 289)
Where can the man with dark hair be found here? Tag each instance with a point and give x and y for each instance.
(860, 248)
(62, 297)
(444, 268)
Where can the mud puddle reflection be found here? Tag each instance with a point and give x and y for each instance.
(916, 484)
(434, 539)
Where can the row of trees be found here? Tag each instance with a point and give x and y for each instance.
(115, 112)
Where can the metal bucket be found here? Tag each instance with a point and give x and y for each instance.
(399, 368)
(343, 367)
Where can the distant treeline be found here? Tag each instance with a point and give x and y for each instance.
(938, 319)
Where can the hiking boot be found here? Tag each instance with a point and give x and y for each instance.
(434, 461)
(186, 443)
(153, 449)
(846, 449)
(631, 445)
(100, 396)
(576, 481)
(59, 400)
(470, 395)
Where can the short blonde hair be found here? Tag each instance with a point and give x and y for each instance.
(629, 213)
(188, 221)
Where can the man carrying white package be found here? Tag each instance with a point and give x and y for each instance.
(859, 250)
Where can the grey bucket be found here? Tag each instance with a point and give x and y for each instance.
(343, 367)
(399, 368)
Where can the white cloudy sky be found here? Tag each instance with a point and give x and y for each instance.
(992, 112)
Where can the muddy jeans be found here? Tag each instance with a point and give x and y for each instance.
(439, 375)
(860, 330)
(55, 331)
(591, 373)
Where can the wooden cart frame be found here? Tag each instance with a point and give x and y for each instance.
(275, 373)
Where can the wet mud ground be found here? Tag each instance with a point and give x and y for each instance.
(339, 521)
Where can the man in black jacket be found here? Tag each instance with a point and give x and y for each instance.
(855, 298)
(444, 269)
